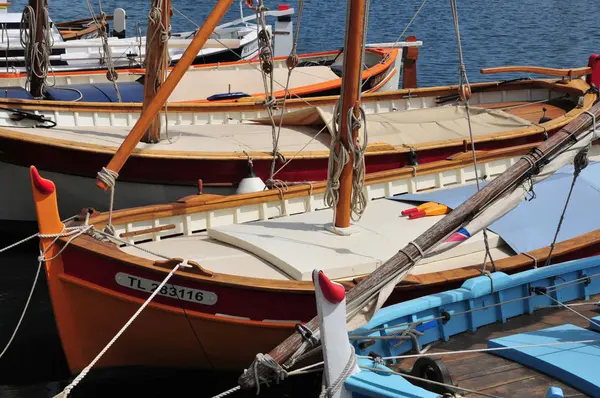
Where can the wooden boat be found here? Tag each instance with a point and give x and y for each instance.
(246, 283)
(318, 74)
(93, 274)
(78, 47)
(87, 135)
(540, 343)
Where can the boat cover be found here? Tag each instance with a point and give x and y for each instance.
(97, 92)
(574, 364)
(410, 127)
(532, 224)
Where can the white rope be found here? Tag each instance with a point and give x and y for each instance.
(492, 349)
(437, 383)
(67, 390)
(339, 382)
(464, 85)
(109, 177)
(571, 309)
(410, 22)
(553, 288)
(74, 232)
(36, 54)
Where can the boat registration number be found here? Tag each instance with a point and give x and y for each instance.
(168, 290)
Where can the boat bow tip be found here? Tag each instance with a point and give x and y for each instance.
(46, 206)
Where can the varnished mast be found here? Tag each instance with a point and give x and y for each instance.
(166, 89)
(156, 61)
(351, 85)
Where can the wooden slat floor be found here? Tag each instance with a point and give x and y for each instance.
(533, 111)
(498, 376)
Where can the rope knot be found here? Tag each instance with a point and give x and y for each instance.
(107, 176)
(266, 364)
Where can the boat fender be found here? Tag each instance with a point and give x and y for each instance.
(432, 369)
(251, 183)
(594, 77)
(413, 159)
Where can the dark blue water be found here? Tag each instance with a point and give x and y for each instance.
(553, 33)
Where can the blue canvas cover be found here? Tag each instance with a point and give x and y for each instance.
(533, 223)
(97, 92)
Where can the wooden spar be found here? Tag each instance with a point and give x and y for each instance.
(409, 64)
(571, 73)
(163, 93)
(156, 58)
(350, 101)
(36, 80)
(561, 140)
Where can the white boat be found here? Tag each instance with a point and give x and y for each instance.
(230, 41)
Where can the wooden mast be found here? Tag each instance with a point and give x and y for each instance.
(36, 80)
(166, 89)
(156, 62)
(351, 79)
(518, 172)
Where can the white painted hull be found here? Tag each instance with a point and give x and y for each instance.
(75, 193)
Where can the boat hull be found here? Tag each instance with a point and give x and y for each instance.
(91, 306)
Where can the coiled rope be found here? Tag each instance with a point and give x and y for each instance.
(36, 54)
(109, 177)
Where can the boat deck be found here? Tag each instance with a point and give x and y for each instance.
(501, 377)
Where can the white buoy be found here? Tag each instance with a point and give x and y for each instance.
(337, 351)
(251, 183)
(119, 23)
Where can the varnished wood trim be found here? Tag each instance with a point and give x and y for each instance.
(572, 72)
(147, 231)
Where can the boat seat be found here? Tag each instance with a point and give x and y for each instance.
(574, 364)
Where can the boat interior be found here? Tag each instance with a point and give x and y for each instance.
(499, 376)
(423, 122)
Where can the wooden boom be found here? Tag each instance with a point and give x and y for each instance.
(564, 138)
(163, 93)
(572, 72)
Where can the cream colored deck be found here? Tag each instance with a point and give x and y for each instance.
(202, 83)
(291, 247)
(392, 128)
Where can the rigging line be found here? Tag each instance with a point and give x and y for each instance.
(552, 288)
(291, 62)
(250, 63)
(484, 350)
(437, 383)
(410, 23)
(570, 309)
(464, 85)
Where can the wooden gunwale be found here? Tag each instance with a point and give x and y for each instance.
(575, 87)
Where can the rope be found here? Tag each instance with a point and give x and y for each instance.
(291, 63)
(580, 162)
(111, 74)
(464, 85)
(492, 349)
(109, 177)
(555, 287)
(410, 22)
(36, 54)
(266, 361)
(74, 232)
(67, 390)
(408, 376)
(339, 382)
(570, 309)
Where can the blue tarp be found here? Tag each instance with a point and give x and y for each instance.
(533, 223)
